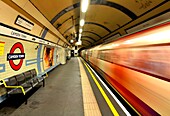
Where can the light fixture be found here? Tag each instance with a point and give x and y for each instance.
(79, 34)
(79, 42)
(84, 5)
(71, 41)
(75, 35)
(82, 22)
(81, 30)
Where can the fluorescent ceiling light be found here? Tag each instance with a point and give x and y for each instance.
(79, 42)
(81, 30)
(82, 22)
(84, 5)
(79, 36)
(71, 41)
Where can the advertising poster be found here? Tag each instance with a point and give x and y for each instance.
(48, 60)
(2, 44)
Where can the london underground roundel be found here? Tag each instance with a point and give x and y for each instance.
(15, 56)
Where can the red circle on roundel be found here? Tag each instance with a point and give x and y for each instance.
(12, 64)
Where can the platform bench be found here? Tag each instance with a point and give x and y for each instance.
(23, 83)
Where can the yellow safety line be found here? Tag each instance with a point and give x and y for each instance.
(125, 100)
(112, 108)
(23, 91)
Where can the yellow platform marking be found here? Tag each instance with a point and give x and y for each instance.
(91, 107)
(125, 100)
(112, 108)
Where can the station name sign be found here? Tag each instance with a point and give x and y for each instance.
(11, 32)
(15, 56)
(17, 34)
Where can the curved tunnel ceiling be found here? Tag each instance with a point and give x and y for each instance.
(87, 23)
(88, 37)
(103, 18)
(92, 33)
(86, 40)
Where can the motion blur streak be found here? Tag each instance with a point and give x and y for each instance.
(138, 67)
(111, 93)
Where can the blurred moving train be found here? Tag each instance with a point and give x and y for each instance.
(138, 67)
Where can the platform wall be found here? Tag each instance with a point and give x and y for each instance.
(34, 52)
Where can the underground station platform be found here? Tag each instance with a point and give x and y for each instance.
(73, 89)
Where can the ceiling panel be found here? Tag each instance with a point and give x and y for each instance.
(86, 43)
(96, 29)
(51, 8)
(73, 13)
(113, 19)
(138, 6)
(91, 34)
(86, 38)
